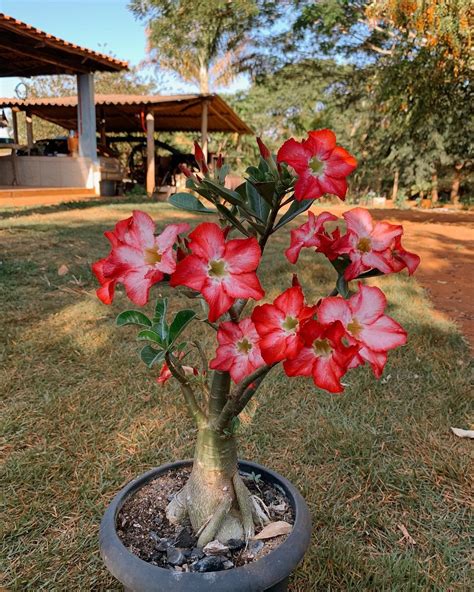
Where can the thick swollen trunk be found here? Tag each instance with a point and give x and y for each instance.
(215, 498)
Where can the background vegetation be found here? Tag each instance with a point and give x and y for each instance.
(392, 77)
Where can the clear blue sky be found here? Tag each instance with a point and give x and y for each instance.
(102, 25)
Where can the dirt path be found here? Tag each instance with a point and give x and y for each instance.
(445, 243)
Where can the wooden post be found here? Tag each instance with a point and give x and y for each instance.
(29, 131)
(150, 153)
(204, 118)
(15, 126)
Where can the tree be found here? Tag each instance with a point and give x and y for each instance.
(411, 64)
(206, 43)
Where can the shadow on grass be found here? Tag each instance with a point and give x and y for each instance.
(72, 205)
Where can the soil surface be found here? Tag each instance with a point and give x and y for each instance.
(144, 529)
(445, 242)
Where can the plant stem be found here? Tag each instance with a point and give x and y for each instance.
(219, 393)
(240, 397)
(269, 226)
(178, 373)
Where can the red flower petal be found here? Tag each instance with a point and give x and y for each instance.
(218, 300)
(207, 241)
(320, 143)
(242, 255)
(294, 154)
(308, 187)
(244, 285)
(191, 272)
(333, 186)
(340, 163)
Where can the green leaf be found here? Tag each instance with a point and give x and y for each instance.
(151, 356)
(342, 287)
(232, 219)
(296, 208)
(133, 317)
(257, 202)
(180, 322)
(266, 190)
(231, 196)
(186, 201)
(150, 335)
(159, 319)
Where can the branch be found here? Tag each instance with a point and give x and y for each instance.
(378, 49)
(241, 396)
(177, 372)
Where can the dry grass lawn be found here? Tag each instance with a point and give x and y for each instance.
(81, 416)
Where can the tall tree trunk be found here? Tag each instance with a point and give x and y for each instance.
(203, 77)
(454, 197)
(395, 185)
(434, 188)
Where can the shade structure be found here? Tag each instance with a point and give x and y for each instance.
(28, 51)
(127, 113)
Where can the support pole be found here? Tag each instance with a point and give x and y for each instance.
(86, 123)
(15, 126)
(103, 136)
(29, 131)
(204, 118)
(150, 153)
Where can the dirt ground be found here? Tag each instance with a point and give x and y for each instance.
(445, 242)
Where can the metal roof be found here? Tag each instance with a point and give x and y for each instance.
(125, 113)
(28, 51)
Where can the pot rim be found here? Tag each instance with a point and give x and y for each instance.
(139, 575)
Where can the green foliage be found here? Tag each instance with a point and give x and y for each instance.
(186, 201)
(133, 317)
(158, 331)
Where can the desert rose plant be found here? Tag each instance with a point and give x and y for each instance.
(216, 264)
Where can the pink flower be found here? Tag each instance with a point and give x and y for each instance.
(106, 291)
(220, 270)
(368, 244)
(138, 258)
(279, 324)
(323, 356)
(362, 316)
(402, 258)
(238, 352)
(321, 166)
(308, 235)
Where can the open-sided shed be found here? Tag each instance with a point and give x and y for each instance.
(203, 113)
(27, 51)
